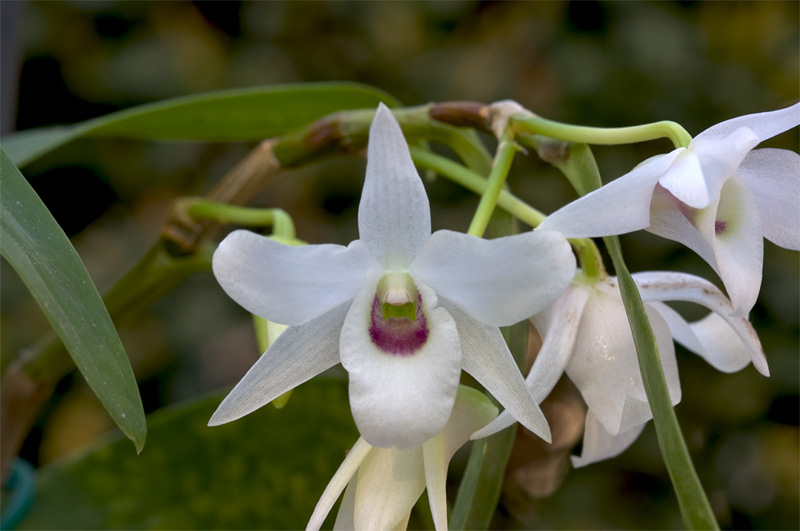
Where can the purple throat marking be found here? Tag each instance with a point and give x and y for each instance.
(398, 335)
(719, 226)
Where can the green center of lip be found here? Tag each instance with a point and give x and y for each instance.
(398, 296)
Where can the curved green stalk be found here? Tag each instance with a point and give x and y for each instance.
(477, 184)
(198, 208)
(531, 123)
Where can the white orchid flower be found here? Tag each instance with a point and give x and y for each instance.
(403, 309)
(383, 484)
(586, 334)
(716, 196)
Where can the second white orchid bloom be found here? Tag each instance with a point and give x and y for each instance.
(404, 310)
(717, 197)
(383, 484)
(587, 335)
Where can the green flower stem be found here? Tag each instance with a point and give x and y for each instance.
(588, 254)
(198, 208)
(694, 505)
(530, 123)
(497, 178)
(476, 183)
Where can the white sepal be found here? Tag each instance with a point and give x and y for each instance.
(394, 218)
(299, 354)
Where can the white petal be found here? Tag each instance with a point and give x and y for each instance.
(394, 218)
(289, 284)
(671, 219)
(671, 286)
(764, 124)
(721, 149)
(604, 365)
(401, 400)
(719, 159)
(727, 235)
(684, 179)
(338, 482)
(739, 247)
(299, 354)
(772, 177)
(619, 207)
(598, 444)
(711, 338)
(390, 482)
(498, 282)
(487, 358)
(559, 327)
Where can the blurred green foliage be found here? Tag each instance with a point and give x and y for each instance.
(264, 471)
(594, 63)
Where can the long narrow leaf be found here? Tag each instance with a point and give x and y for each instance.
(239, 114)
(37, 248)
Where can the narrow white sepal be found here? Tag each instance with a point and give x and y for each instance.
(764, 125)
(487, 358)
(711, 338)
(299, 354)
(558, 326)
(338, 483)
(673, 286)
(394, 218)
(619, 207)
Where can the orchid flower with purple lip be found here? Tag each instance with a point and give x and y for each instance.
(586, 334)
(404, 310)
(383, 484)
(718, 196)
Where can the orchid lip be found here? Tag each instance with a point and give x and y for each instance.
(399, 336)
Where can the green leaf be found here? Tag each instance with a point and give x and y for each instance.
(37, 248)
(263, 471)
(240, 114)
(695, 507)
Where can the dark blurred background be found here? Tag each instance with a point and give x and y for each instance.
(593, 63)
